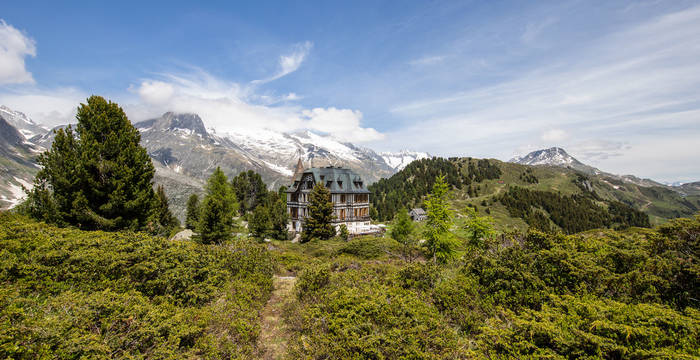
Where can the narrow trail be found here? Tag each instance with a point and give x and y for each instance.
(273, 331)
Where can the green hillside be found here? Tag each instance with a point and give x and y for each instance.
(483, 183)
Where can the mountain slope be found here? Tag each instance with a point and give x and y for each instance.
(17, 163)
(399, 160)
(483, 183)
(554, 156)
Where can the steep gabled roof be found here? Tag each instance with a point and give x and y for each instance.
(341, 180)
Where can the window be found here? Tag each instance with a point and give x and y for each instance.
(328, 184)
(340, 184)
(342, 198)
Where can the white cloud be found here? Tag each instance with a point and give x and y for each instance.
(427, 60)
(534, 30)
(49, 107)
(156, 92)
(230, 107)
(622, 87)
(554, 135)
(289, 63)
(14, 47)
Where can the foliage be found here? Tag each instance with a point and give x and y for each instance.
(403, 231)
(76, 294)
(479, 228)
(369, 320)
(572, 213)
(318, 222)
(192, 213)
(311, 280)
(439, 243)
(367, 247)
(260, 224)
(343, 232)
(250, 190)
(571, 327)
(408, 187)
(218, 208)
(96, 177)
(162, 221)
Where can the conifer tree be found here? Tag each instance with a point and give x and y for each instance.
(260, 223)
(162, 219)
(402, 232)
(192, 213)
(439, 242)
(98, 176)
(343, 232)
(218, 208)
(318, 222)
(278, 216)
(479, 228)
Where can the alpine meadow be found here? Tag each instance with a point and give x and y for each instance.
(366, 180)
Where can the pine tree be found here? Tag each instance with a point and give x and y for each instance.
(318, 222)
(402, 232)
(260, 224)
(162, 219)
(98, 176)
(192, 213)
(278, 216)
(439, 242)
(217, 211)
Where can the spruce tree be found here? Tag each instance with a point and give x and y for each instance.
(192, 212)
(98, 176)
(318, 223)
(479, 228)
(217, 211)
(439, 242)
(278, 216)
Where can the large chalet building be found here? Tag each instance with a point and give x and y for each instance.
(348, 192)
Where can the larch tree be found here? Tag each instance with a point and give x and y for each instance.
(218, 208)
(402, 231)
(440, 243)
(318, 223)
(96, 176)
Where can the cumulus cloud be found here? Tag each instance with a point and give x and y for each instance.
(289, 63)
(231, 107)
(14, 47)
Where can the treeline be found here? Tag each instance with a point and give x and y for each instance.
(572, 213)
(407, 188)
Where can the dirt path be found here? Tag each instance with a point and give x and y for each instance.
(273, 332)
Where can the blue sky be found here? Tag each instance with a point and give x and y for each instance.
(615, 83)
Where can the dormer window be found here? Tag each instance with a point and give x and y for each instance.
(328, 184)
(340, 184)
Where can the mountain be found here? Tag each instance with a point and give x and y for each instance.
(519, 195)
(185, 153)
(554, 156)
(399, 160)
(17, 159)
(21, 122)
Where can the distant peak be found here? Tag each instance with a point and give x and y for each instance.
(554, 156)
(172, 121)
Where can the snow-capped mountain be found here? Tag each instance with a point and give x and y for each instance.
(399, 160)
(17, 156)
(557, 156)
(554, 156)
(26, 126)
